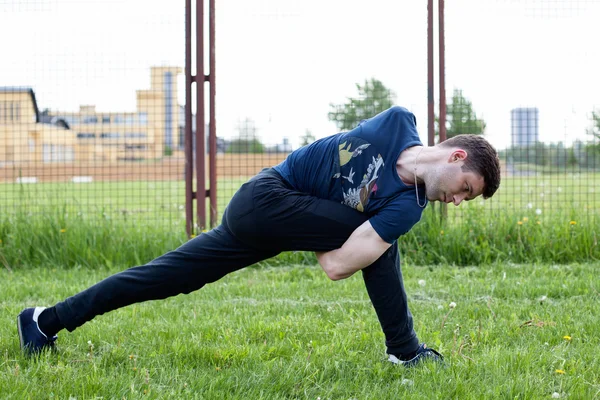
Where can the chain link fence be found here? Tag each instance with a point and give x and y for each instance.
(91, 110)
(91, 97)
(520, 72)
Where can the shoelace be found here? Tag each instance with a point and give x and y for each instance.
(422, 351)
(427, 349)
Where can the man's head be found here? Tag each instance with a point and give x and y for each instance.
(470, 168)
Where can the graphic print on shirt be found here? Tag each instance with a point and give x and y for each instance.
(358, 197)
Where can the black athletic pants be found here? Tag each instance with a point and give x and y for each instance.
(264, 218)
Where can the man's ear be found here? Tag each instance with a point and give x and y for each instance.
(457, 155)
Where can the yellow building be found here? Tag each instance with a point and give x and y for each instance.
(23, 139)
(152, 131)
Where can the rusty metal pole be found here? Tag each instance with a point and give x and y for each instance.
(442, 61)
(442, 83)
(430, 103)
(212, 122)
(189, 153)
(195, 155)
(200, 141)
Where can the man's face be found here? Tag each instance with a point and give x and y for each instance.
(449, 184)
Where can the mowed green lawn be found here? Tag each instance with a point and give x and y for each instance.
(517, 332)
(163, 202)
(156, 203)
(545, 195)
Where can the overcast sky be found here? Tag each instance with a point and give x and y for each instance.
(282, 62)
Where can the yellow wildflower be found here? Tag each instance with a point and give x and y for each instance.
(560, 371)
(441, 232)
(573, 222)
(567, 337)
(538, 222)
(525, 219)
(192, 236)
(519, 223)
(63, 230)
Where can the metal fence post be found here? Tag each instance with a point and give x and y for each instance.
(195, 150)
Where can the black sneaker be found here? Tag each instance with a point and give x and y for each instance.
(423, 353)
(32, 339)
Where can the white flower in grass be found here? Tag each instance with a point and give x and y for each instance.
(452, 305)
(538, 211)
(542, 194)
(422, 282)
(556, 395)
(440, 307)
(529, 205)
(559, 189)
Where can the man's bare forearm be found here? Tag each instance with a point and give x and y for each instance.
(332, 267)
(361, 249)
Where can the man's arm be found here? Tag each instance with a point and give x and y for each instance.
(363, 247)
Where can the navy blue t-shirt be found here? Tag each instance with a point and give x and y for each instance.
(358, 169)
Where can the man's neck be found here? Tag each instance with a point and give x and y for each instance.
(405, 164)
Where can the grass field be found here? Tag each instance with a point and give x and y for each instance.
(162, 202)
(534, 219)
(517, 332)
(524, 325)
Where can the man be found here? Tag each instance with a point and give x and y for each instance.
(348, 197)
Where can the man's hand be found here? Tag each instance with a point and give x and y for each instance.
(361, 249)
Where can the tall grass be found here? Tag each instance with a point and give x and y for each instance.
(63, 239)
(481, 236)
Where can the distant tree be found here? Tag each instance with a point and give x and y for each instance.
(592, 148)
(595, 129)
(461, 118)
(571, 158)
(307, 138)
(241, 146)
(373, 98)
(247, 141)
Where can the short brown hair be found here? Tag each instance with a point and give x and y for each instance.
(482, 159)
